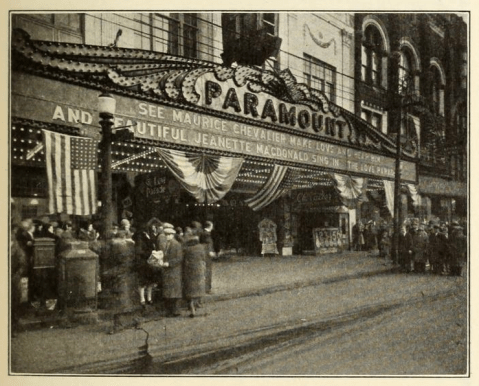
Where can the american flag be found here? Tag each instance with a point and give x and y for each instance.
(71, 170)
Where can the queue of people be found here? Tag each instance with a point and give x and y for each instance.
(126, 277)
(439, 246)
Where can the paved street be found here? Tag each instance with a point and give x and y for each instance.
(423, 337)
(243, 324)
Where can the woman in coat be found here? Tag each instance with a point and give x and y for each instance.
(172, 273)
(148, 276)
(194, 269)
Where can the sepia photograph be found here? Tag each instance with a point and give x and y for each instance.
(216, 193)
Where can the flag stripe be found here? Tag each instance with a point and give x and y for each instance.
(48, 147)
(77, 201)
(84, 178)
(68, 181)
(269, 192)
(91, 176)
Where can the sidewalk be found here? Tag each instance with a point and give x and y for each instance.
(88, 349)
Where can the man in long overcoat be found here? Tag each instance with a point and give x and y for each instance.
(194, 269)
(420, 246)
(458, 247)
(172, 273)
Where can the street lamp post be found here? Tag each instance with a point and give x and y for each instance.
(106, 109)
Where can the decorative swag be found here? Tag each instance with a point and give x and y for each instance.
(279, 181)
(206, 177)
(349, 188)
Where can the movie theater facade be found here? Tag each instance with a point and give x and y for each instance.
(233, 145)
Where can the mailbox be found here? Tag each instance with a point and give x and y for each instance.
(42, 281)
(44, 253)
(78, 276)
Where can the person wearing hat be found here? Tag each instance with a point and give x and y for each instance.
(172, 272)
(26, 242)
(148, 276)
(458, 246)
(420, 247)
(125, 226)
(207, 240)
(194, 268)
(433, 250)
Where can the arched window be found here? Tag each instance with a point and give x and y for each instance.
(371, 57)
(436, 90)
(406, 78)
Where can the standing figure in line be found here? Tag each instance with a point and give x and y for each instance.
(194, 268)
(172, 275)
(148, 276)
(207, 240)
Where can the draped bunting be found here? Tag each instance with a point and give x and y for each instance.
(389, 191)
(349, 188)
(413, 193)
(279, 181)
(206, 177)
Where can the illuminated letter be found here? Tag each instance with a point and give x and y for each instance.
(285, 117)
(231, 100)
(213, 90)
(250, 103)
(268, 111)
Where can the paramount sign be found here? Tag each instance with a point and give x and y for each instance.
(227, 97)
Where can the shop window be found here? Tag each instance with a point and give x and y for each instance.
(371, 56)
(320, 76)
(176, 34)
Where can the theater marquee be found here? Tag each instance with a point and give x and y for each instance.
(76, 106)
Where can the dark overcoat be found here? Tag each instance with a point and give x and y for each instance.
(420, 246)
(144, 245)
(207, 241)
(194, 271)
(119, 278)
(173, 274)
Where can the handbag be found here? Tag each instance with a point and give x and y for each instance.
(156, 259)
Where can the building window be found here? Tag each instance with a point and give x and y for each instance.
(371, 56)
(374, 119)
(436, 91)
(406, 78)
(320, 76)
(176, 34)
(251, 39)
(58, 27)
(268, 22)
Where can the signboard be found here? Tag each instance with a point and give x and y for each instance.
(76, 106)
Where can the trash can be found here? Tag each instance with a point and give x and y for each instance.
(78, 277)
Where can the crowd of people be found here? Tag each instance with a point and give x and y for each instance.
(128, 277)
(439, 247)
